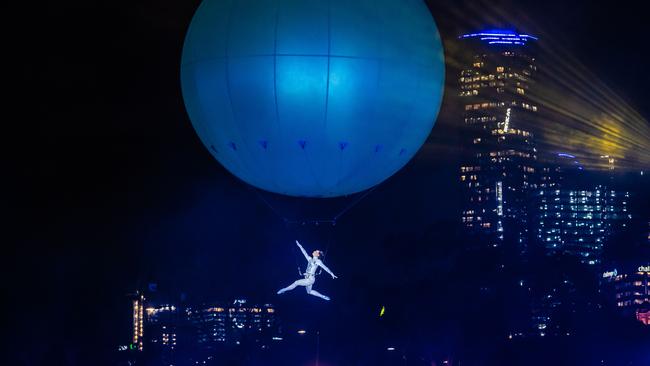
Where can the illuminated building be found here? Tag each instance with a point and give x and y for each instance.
(499, 167)
(495, 86)
(164, 326)
(216, 324)
(630, 288)
(210, 323)
(138, 322)
(180, 334)
(578, 222)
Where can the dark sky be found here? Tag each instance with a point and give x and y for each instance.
(110, 187)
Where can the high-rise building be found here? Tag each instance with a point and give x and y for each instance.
(138, 321)
(499, 171)
(495, 84)
(578, 222)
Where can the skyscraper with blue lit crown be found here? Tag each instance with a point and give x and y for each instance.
(495, 85)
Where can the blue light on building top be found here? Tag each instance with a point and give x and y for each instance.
(565, 155)
(501, 36)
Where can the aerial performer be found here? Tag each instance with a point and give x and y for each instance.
(313, 99)
(313, 263)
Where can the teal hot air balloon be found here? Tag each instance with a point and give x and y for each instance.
(313, 98)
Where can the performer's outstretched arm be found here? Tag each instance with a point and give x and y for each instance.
(323, 266)
(307, 257)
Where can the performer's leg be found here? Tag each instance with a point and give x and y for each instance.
(316, 293)
(303, 282)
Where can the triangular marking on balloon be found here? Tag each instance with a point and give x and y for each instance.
(214, 149)
(379, 148)
(402, 151)
(264, 144)
(343, 145)
(302, 144)
(232, 145)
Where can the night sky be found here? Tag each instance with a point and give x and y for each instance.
(110, 188)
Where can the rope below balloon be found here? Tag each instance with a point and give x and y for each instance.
(315, 221)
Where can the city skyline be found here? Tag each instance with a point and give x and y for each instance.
(117, 192)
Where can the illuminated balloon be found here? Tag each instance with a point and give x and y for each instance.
(312, 98)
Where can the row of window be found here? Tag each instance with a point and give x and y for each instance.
(470, 168)
(630, 302)
(472, 120)
(489, 105)
(511, 131)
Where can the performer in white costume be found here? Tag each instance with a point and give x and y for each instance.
(313, 263)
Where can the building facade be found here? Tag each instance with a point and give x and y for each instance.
(578, 222)
(137, 341)
(495, 86)
(629, 290)
(217, 324)
(187, 334)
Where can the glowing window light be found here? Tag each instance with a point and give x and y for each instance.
(506, 123)
(499, 194)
